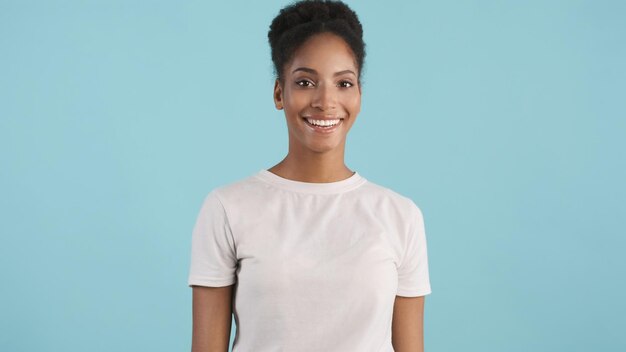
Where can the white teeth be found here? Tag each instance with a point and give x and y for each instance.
(323, 122)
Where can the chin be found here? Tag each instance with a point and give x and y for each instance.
(323, 148)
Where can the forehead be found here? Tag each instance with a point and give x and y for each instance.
(325, 53)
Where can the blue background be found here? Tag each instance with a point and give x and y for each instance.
(503, 120)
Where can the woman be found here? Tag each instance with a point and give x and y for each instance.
(308, 254)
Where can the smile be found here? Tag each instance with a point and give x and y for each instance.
(323, 126)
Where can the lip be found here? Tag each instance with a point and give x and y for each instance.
(321, 129)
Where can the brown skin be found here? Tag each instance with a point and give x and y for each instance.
(407, 325)
(317, 92)
(212, 316)
(312, 156)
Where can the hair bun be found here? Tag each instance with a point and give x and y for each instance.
(297, 22)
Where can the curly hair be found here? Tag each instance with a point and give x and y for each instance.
(299, 21)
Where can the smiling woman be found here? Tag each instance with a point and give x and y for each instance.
(309, 255)
(320, 94)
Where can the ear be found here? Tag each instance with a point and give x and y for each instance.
(278, 95)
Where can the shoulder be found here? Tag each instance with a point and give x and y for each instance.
(232, 195)
(391, 203)
(390, 196)
(234, 189)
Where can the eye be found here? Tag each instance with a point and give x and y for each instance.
(345, 84)
(304, 83)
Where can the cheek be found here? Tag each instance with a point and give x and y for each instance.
(354, 103)
(295, 100)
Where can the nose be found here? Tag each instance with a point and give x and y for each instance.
(324, 98)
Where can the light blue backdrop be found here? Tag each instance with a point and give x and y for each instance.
(503, 120)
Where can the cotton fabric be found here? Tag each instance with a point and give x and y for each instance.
(316, 266)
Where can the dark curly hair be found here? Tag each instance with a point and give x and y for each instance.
(299, 21)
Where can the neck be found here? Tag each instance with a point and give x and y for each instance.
(309, 166)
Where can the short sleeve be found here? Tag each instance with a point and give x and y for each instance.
(213, 255)
(413, 277)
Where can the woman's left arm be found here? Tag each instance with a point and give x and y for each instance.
(407, 327)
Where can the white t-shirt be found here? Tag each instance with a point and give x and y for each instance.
(316, 266)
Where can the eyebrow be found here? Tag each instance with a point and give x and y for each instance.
(310, 70)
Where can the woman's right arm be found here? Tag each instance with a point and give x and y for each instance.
(212, 316)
